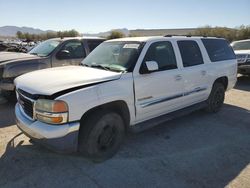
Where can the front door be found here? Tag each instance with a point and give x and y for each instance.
(71, 53)
(159, 92)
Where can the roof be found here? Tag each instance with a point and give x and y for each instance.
(80, 38)
(150, 38)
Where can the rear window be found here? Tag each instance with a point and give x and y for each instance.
(218, 49)
(93, 44)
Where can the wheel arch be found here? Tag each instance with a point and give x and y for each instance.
(119, 106)
(223, 80)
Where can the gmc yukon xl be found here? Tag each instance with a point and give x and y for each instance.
(124, 84)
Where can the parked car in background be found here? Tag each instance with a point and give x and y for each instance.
(128, 83)
(242, 51)
(14, 47)
(50, 53)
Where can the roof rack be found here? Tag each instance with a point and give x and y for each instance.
(184, 36)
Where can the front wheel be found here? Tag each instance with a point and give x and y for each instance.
(101, 135)
(216, 98)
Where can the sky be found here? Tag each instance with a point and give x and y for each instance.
(98, 16)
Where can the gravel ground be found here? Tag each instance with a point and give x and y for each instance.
(197, 150)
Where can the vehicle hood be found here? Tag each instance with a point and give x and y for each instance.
(242, 52)
(14, 56)
(53, 80)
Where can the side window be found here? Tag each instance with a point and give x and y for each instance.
(72, 50)
(163, 54)
(92, 44)
(218, 49)
(190, 53)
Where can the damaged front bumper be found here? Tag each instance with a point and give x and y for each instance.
(61, 138)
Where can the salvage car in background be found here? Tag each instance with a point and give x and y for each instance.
(50, 53)
(242, 51)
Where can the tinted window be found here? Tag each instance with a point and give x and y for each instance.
(163, 54)
(75, 49)
(218, 49)
(190, 53)
(93, 44)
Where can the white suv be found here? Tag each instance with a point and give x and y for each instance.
(129, 83)
(242, 51)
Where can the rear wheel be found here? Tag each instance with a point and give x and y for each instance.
(101, 135)
(216, 98)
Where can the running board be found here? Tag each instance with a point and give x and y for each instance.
(163, 118)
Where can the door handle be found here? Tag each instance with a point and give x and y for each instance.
(178, 77)
(203, 73)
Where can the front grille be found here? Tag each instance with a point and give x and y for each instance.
(26, 104)
(241, 56)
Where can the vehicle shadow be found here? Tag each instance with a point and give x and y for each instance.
(243, 83)
(197, 150)
(7, 114)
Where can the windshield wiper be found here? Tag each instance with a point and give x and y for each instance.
(34, 54)
(85, 65)
(100, 67)
(108, 68)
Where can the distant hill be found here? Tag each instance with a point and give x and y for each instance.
(12, 30)
(125, 31)
(147, 32)
(161, 32)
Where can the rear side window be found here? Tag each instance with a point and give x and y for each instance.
(190, 53)
(218, 49)
(93, 44)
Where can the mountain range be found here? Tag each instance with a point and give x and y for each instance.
(10, 31)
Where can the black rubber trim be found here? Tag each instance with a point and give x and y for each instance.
(55, 95)
(166, 117)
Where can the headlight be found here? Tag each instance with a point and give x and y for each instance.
(51, 111)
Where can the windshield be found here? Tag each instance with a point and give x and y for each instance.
(244, 45)
(115, 56)
(45, 48)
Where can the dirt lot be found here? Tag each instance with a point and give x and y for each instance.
(198, 150)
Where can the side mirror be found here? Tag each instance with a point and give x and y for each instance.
(63, 54)
(149, 66)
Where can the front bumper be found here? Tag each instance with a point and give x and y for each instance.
(61, 138)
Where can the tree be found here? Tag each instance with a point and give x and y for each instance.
(115, 35)
(243, 32)
(47, 35)
(19, 35)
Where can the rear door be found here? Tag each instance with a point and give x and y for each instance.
(72, 52)
(195, 74)
(159, 92)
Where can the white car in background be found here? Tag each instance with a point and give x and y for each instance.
(242, 51)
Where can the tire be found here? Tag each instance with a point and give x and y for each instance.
(101, 135)
(216, 98)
